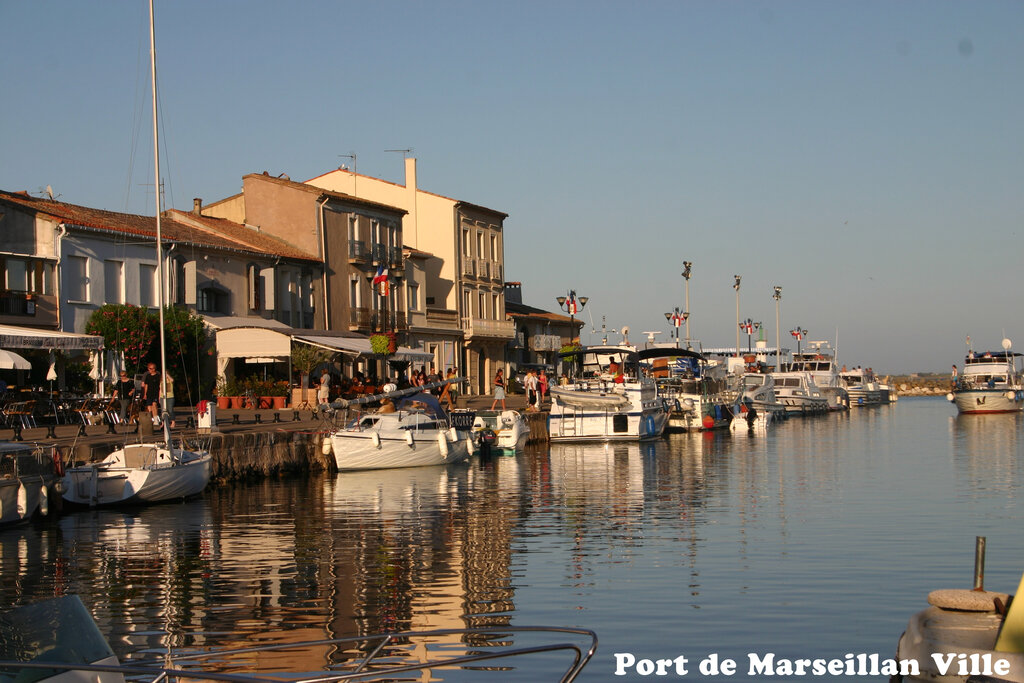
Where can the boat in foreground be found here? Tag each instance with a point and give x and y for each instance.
(418, 433)
(502, 431)
(991, 383)
(605, 397)
(29, 482)
(138, 473)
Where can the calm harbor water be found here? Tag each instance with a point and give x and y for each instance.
(815, 540)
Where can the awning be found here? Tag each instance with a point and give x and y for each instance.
(12, 337)
(359, 346)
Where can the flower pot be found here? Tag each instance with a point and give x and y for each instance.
(266, 401)
(223, 402)
(279, 402)
(237, 402)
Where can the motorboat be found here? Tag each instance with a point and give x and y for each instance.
(862, 386)
(55, 641)
(457, 654)
(799, 394)
(757, 407)
(504, 431)
(29, 482)
(820, 363)
(417, 432)
(695, 390)
(990, 383)
(605, 397)
(138, 474)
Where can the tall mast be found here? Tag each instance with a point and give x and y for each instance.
(159, 253)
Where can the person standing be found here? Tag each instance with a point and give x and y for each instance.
(323, 392)
(167, 389)
(151, 393)
(953, 376)
(124, 393)
(499, 389)
(531, 385)
(542, 380)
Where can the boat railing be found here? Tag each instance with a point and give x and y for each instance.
(361, 658)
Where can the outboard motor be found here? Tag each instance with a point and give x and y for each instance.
(487, 439)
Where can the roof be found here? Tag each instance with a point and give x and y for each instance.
(175, 226)
(518, 310)
(321, 192)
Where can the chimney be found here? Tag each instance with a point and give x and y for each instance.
(197, 206)
(514, 292)
(412, 217)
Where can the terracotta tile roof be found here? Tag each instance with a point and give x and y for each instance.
(174, 227)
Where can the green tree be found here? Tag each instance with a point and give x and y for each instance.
(306, 357)
(185, 337)
(127, 329)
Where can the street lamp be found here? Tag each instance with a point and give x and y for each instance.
(749, 326)
(778, 350)
(798, 334)
(736, 286)
(686, 275)
(572, 305)
(675, 317)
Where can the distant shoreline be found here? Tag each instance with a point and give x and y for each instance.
(919, 384)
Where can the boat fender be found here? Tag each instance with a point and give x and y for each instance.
(650, 424)
(22, 501)
(409, 438)
(1010, 396)
(326, 447)
(375, 438)
(59, 486)
(469, 445)
(442, 444)
(949, 396)
(453, 434)
(44, 501)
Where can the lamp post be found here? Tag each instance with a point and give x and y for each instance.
(778, 350)
(675, 317)
(572, 305)
(798, 334)
(686, 311)
(736, 286)
(749, 326)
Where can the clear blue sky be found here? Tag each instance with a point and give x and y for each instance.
(864, 155)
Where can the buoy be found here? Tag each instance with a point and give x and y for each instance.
(949, 396)
(326, 447)
(375, 438)
(708, 422)
(442, 444)
(409, 438)
(44, 501)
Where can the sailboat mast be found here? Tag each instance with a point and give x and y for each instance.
(159, 236)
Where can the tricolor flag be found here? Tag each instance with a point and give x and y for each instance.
(381, 280)
(798, 334)
(677, 319)
(748, 327)
(573, 305)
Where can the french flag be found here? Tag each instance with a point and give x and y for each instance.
(381, 280)
(573, 306)
(797, 334)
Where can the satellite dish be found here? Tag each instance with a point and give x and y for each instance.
(625, 333)
(1007, 344)
(49, 191)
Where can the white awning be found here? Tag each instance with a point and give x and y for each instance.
(360, 346)
(12, 337)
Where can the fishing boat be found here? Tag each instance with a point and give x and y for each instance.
(605, 397)
(799, 394)
(820, 363)
(695, 390)
(416, 432)
(990, 383)
(503, 432)
(862, 386)
(145, 472)
(28, 482)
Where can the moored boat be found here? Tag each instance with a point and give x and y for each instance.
(757, 407)
(696, 392)
(29, 482)
(819, 362)
(137, 474)
(990, 383)
(799, 394)
(862, 386)
(504, 431)
(605, 397)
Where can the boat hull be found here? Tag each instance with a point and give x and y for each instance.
(977, 401)
(566, 425)
(180, 475)
(360, 451)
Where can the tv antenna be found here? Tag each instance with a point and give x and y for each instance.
(405, 152)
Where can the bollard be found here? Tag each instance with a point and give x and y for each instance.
(259, 420)
(17, 432)
(979, 563)
(234, 419)
(110, 427)
(81, 430)
(277, 416)
(295, 416)
(51, 431)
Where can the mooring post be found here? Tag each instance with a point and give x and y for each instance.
(979, 563)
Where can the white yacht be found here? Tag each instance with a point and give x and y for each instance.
(990, 383)
(696, 391)
(757, 405)
(605, 397)
(862, 386)
(798, 392)
(820, 363)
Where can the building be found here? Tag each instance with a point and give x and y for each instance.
(540, 334)
(463, 291)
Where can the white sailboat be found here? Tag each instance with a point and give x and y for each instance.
(146, 472)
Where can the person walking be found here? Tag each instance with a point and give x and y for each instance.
(499, 389)
(124, 393)
(542, 380)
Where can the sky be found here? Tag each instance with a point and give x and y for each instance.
(866, 155)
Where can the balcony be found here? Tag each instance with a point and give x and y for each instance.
(479, 329)
(468, 267)
(545, 342)
(359, 319)
(379, 253)
(19, 307)
(396, 262)
(357, 252)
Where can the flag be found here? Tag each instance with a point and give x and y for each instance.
(573, 307)
(677, 319)
(381, 280)
(798, 334)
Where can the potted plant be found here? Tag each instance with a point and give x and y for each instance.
(304, 359)
(279, 394)
(223, 393)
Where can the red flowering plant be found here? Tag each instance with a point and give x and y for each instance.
(127, 329)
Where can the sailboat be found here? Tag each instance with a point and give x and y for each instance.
(144, 472)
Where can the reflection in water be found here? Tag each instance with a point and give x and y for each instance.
(705, 542)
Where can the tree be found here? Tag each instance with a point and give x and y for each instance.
(306, 357)
(126, 329)
(185, 336)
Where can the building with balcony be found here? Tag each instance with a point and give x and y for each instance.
(466, 277)
(540, 334)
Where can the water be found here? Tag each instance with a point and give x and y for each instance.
(818, 539)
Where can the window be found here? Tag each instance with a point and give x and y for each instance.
(17, 275)
(353, 229)
(147, 284)
(480, 253)
(465, 243)
(76, 278)
(178, 280)
(212, 299)
(414, 296)
(494, 248)
(113, 282)
(481, 300)
(466, 311)
(494, 307)
(353, 292)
